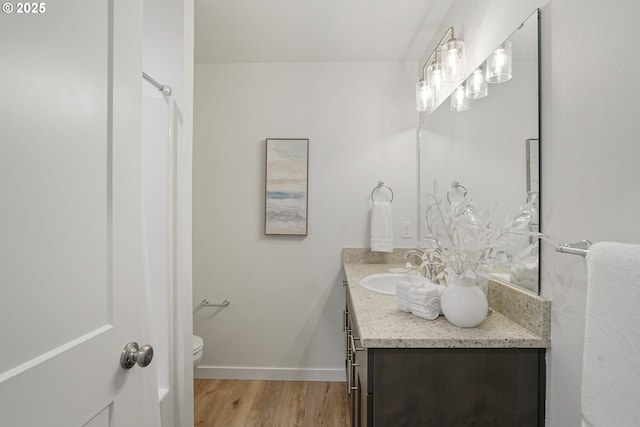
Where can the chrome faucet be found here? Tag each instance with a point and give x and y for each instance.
(430, 268)
(420, 255)
(415, 252)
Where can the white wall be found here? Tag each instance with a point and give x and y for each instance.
(590, 153)
(285, 317)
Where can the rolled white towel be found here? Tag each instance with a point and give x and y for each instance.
(425, 301)
(404, 292)
(431, 313)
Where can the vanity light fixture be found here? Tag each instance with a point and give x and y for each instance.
(428, 87)
(445, 64)
(459, 101)
(424, 96)
(453, 60)
(435, 75)
(499, 64)
(476, 86)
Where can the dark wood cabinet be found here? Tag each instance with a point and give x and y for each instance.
(443, 386)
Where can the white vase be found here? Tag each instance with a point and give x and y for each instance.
(463, 302)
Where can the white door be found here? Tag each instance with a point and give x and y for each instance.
(71, 239)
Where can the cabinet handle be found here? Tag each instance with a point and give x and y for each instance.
(344, 283)
(349, 374)
(353, 344)
(352, 377)
(345, 320)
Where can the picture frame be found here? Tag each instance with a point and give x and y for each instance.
(286, 186)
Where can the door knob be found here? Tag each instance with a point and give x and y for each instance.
(132, 354)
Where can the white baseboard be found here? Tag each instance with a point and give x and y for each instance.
(279, 374)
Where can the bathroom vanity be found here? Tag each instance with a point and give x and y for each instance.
(406, 371)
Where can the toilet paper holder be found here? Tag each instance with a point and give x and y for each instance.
(205, 303)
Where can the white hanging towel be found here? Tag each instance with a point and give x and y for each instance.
(611, 359)
(381, 227)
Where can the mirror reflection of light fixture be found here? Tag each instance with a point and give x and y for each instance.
(476, 86)
(445, 64)
(499, 64)
(459, 101)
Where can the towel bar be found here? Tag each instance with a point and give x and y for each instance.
(378, 187)
(205, 303)
(579, 248)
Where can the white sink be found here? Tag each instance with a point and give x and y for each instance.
(385, 283)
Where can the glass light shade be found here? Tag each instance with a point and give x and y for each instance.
(424, 96)
(434, 77)
(469, 215)
(499, 64)
(453, 60)
(476, 86)
(459, 102)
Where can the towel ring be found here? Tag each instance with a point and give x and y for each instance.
(457, 187)
(380, 186)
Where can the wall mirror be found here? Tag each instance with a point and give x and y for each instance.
(491, 148)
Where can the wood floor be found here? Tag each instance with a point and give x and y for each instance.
(233, 403)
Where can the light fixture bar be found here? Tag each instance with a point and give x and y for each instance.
(450, 30)
(438, 70)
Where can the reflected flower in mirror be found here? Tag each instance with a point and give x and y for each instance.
(463, 242)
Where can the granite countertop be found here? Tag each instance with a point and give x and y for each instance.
(381, 324)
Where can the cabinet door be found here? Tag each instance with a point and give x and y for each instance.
(458, 387)
(363, 395)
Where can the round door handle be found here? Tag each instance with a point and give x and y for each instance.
(132, 354)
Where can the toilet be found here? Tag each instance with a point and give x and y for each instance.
(198, 345)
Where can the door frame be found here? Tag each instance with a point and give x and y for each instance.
(177, 407)
(183, 360)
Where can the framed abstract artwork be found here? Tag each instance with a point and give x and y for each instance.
(286, 191)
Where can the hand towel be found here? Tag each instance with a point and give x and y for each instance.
(611, 358)
(381, 227)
